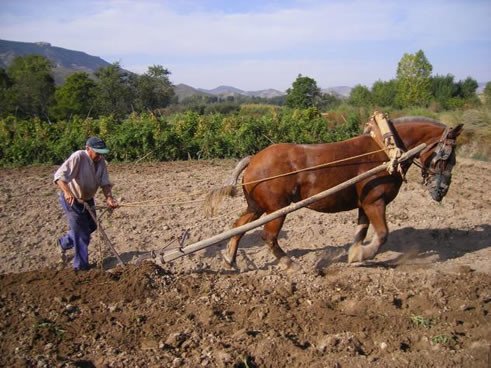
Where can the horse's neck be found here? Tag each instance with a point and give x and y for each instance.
(415, 134)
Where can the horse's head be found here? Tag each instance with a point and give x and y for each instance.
(437, 162)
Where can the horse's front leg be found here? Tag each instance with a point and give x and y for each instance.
(375, 213)
(362, 228)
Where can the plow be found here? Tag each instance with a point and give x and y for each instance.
(165, 255)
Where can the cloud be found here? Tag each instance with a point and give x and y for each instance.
(268, 37)
(123, 27)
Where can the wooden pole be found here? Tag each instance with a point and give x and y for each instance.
(177, 253)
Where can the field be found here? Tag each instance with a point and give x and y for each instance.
(424, 301)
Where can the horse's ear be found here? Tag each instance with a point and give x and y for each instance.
(455, 132)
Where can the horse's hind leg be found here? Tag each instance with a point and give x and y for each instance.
(230, 255)
(270, 236)
(375, 213)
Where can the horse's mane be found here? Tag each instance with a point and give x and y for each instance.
(414, 119)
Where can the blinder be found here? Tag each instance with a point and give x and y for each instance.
(440, 167)
(444, 149)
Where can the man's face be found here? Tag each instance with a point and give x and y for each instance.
(93, 154)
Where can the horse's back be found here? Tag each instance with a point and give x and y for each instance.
(298, 171)
(287, 157)
(274, 159)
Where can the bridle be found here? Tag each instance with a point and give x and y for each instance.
(438, 164)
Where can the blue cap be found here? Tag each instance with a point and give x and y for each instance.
(97, 144)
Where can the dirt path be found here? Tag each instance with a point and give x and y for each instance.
(424, 300)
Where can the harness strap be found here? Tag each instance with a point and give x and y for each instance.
(441, 152)
(386, 140)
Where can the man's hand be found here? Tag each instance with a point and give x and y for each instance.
(111, 202)
(67, 193)
(69, 197)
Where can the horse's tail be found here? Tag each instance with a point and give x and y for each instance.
(229, 188)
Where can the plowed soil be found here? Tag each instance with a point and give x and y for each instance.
(424, 301)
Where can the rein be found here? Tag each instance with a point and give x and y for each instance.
(157, 201)
(310, 168)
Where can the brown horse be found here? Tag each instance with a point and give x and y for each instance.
(370, 196)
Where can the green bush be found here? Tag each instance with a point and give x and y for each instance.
(191, 135)
(170, 137)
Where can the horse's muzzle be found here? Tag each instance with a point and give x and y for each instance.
(439, 186)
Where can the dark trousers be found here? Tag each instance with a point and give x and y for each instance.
(80, 225)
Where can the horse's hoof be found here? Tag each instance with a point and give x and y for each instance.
(294, 267)
(355, 254)
(356, 264)
(285, 263)
(229, 262)
(230, 267)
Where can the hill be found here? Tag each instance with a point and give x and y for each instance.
(183, 91)
(66, 61)
(339, 91)
(232, 91)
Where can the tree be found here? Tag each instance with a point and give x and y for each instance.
(75, 97)
(328, 101)
(360, 96)
(304, 93)
(115, 91)
(487, 94)
(467, 88)
(154, 89)
(32, 85)
(383, 93)
(444, 89)
(5, 84)
(413, 80)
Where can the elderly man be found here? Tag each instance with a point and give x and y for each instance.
(79, 177)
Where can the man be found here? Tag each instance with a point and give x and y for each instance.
(79, 177)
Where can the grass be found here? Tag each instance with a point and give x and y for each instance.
(50, 327)
(441, 339)
(421, 321)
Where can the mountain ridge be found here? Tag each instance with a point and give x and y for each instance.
(67, 62)
(225, 91)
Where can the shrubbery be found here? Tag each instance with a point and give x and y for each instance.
(190, 135)
(178, 136)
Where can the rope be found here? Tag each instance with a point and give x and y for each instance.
(137, 204)
(145, 202)
(310, 168)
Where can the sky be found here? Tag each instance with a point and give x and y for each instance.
(260, 44)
